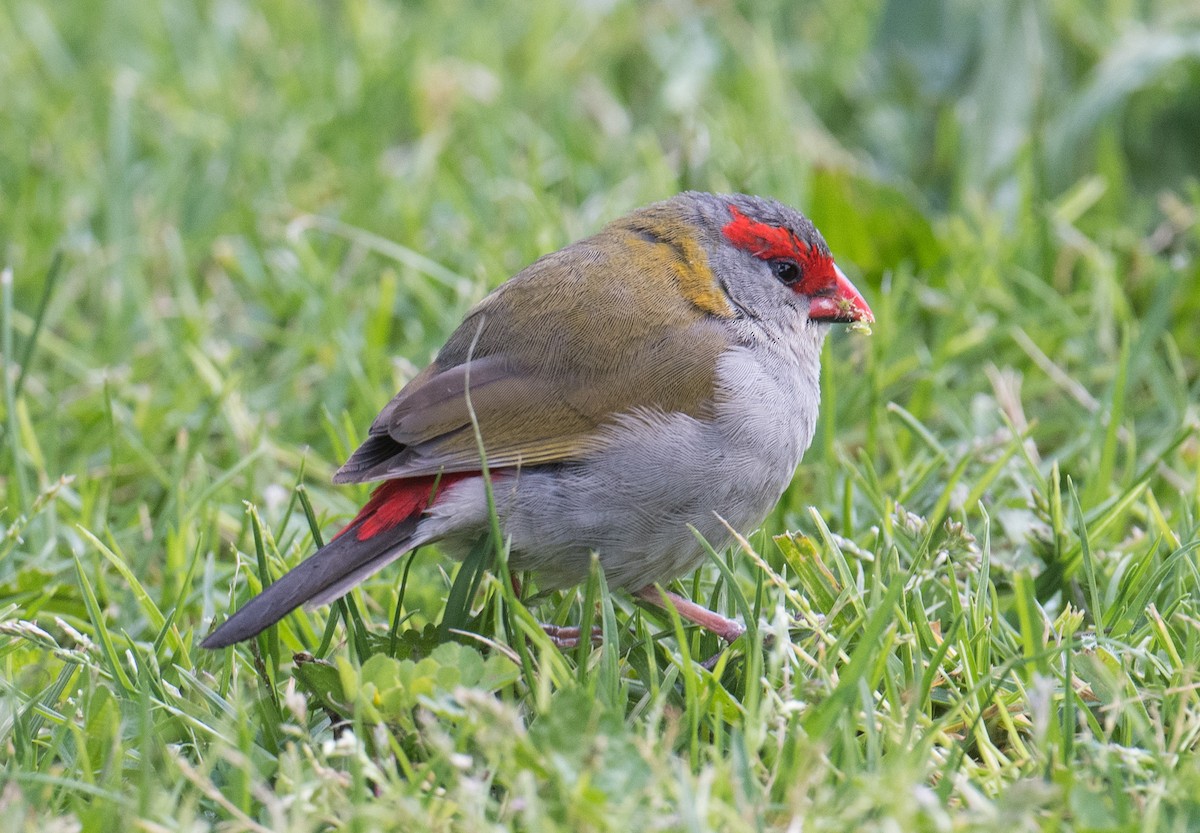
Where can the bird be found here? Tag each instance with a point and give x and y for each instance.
(655, 382)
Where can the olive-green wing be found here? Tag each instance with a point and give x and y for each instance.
(543, 363)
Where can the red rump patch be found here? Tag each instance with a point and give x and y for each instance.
(396, 501)
(769, 242)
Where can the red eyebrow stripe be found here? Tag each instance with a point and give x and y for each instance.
(770, 242)
(762, 240)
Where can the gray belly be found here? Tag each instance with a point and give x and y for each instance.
(654, 477)
(634, 501)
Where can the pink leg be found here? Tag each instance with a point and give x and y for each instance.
(727, 629)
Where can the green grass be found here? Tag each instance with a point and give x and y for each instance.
(231, 231)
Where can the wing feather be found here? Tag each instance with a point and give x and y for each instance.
(595, 340)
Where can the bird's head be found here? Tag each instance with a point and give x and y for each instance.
(766, 259)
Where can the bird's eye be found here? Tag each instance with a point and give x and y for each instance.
(787, 271)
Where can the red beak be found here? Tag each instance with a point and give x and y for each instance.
(842, 305)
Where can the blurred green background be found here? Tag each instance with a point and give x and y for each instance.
(213, 175)
(234, 229)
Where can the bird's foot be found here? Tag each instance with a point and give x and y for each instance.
(567, 636)
(726, 628)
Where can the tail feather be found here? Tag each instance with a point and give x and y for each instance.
(322, 577)
(381, 532)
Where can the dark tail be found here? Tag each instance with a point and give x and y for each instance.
(380, 533)
(331, 572)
